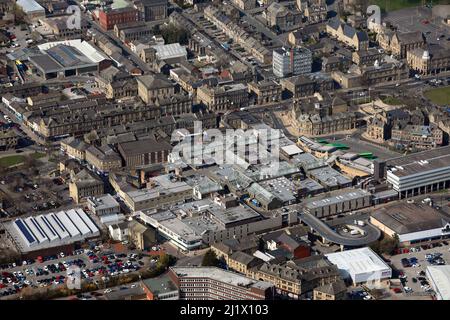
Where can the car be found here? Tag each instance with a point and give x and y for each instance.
(107, 291)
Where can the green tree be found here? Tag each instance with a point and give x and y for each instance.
(210, 259)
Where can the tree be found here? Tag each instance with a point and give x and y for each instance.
(210, 259)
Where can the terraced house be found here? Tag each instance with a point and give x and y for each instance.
(347, 34)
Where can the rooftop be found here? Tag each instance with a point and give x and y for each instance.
(407, 218)
(220, 275)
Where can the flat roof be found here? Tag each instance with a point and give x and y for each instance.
(409, 217)
(220, 275)
(357, 261)
(329, 177)
(337, 196)
(439, 277)
(420, 162)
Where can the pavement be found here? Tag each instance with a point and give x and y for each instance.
(413, 272)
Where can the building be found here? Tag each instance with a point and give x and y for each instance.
(266, 91)
(245, 4)
(362, 266)
(141, 236)
(74, 148)
(294, 61)
(295, 278)
(173, 52)
(367, 57)
(32, 9)
(67, 58)
(85, 184)
(152, 10)
(307, 84)
(242, 262)
(417, 137)
(279, 16)
(347, 34)
(401, 43)
(331, 291)
(160, 288)
(51, 233)
(154, 86)
(103, 158)
(338, 202)
(239, 35)
(161, 191)
(420, 173)
(205, 221)
(428, 60)
(116, 83)
(144, 152)
(103, 205)
(412, 223)
(226, 248)
(439, 277)
(60, 28)
(223, 98)
(210, 283)
(8, 139)
(108, 17)
(118, 231)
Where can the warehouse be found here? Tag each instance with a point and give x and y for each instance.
(420, 173)
(51, 231)
(362, 266)
(31, 8)
(68, 58)
(337, 202)
(439, 277)
(412, 223)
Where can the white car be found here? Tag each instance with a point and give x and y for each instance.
(46, 268)
(27, 282)
(107, 291)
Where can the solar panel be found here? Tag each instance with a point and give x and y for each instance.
(23, 229)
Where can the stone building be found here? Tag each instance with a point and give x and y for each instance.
(152, 10)
(154, 86)
(430, 60)
(245, 4)
(307, 85)
(85, 184)
(299, 276)
(103, 158)
(331, 291)
(347, 34)
(278, 15)
(417, 137)
(266, 91)
(401, 43)
(8, 139)
(222, 98)
(116, 84)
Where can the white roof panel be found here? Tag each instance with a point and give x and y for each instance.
(70, 227)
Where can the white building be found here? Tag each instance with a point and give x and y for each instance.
(51, 230)
(295, 61)
(362, 265)
(420, 173)
(439, 277)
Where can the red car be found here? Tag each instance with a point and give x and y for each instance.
(397, 290)
(425, 22)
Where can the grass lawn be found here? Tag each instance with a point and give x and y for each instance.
(11, 160)
(440, 96)
(391, 100)
(17, 159)
(391, 5)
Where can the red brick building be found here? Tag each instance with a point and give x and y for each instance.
(110, 17)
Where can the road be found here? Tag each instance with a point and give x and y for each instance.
(372, 234)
